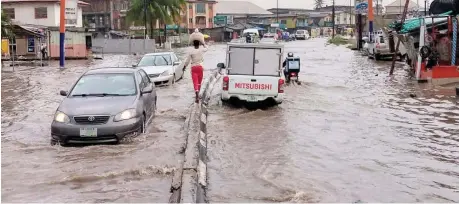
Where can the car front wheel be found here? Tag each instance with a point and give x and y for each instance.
(143, 125)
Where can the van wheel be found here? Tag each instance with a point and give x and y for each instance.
(377, 57)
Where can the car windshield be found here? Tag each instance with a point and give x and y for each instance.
(105, 85)
(155, 60)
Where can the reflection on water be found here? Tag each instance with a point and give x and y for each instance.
(348, 133)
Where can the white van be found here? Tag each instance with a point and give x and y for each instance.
(253, 73)
(302, 34)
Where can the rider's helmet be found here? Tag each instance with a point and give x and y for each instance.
(290, 54)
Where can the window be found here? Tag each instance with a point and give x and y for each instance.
(145, 77)
(190, 6)
(210, 6)
(200, 8)
(283, 21)
(191, 20)
(155, 60)
(210, 20)
(115, 84)
(41, 12)
(9, 12)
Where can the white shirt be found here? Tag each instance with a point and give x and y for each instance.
(196, 56)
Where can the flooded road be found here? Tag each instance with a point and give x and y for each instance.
(348, 133)
(139, 170)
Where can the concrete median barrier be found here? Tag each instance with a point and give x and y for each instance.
(190, 182)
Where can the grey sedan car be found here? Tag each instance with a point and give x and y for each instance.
(104, 106)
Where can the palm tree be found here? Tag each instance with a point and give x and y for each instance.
(6, 26)
(318, 4)
(163, 10)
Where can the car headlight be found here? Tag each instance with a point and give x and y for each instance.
(125, 115)
(61, 117)
(166, 73)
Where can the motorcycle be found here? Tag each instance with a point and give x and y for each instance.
(293, 68)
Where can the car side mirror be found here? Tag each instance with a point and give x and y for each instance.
(63, 93)
(176, 63)
(148, 89)
(221, 65)
(134, 65)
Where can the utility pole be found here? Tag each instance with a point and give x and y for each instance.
(350, 13)
(145, 17)
(277, 12)
(425, 7)
(333, 20)
(62, 35)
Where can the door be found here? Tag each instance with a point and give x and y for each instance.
(240, 61)
(267, 62)
(148, 98)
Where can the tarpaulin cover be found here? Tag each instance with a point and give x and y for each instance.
(415, 23)
(441, 6)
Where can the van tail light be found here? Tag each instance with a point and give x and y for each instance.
(280, 86)
(292, 74)
(225, 83)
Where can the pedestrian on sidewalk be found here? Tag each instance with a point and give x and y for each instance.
(196, 58)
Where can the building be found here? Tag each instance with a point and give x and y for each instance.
(38, 12)
(239, 10)
(105, 15)
(395, 9)
(198, 14)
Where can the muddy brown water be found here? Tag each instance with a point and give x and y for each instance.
(349, 133)
(139, 170)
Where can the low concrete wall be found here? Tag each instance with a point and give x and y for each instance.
(123, 46)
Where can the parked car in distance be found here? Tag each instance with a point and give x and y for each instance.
(302, 35)
(268, 40)
(104, 106)
(379, 48)
(162, 67)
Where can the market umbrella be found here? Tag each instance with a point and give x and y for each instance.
(206, 36)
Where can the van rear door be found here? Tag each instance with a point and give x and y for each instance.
(254, 70)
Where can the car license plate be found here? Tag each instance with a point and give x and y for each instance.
(252, 98)
(293, 78)
(88, 132)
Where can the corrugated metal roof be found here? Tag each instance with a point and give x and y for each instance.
(401, 3)
(239, 8)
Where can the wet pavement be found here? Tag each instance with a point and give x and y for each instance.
(349, 133)
(138, 170)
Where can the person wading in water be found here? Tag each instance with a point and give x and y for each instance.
(196, 57)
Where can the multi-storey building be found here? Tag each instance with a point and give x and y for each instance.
(198, 14)
(105, 15)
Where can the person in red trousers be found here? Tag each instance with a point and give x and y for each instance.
(196, 58)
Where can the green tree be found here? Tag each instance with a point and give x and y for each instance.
(165, 11)
(6, 26)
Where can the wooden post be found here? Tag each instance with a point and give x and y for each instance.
(394, 57)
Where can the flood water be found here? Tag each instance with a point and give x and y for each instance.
(139, 170)
(349, 133)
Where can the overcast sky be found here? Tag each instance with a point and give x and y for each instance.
(307, 4)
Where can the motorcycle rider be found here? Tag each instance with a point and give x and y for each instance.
(284, 64)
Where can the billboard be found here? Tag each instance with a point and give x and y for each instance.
(71, 12)
(361, 6)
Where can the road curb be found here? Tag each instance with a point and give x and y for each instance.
(190, 183)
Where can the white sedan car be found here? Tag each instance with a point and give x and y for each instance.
(162, 67)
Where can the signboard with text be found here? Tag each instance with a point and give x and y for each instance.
(71, 12)
(220, 20)
(361, 6)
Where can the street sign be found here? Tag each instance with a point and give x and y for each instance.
(361, 8)
(171, 27)
(220, 20)
(137, 28)
(71, 9)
